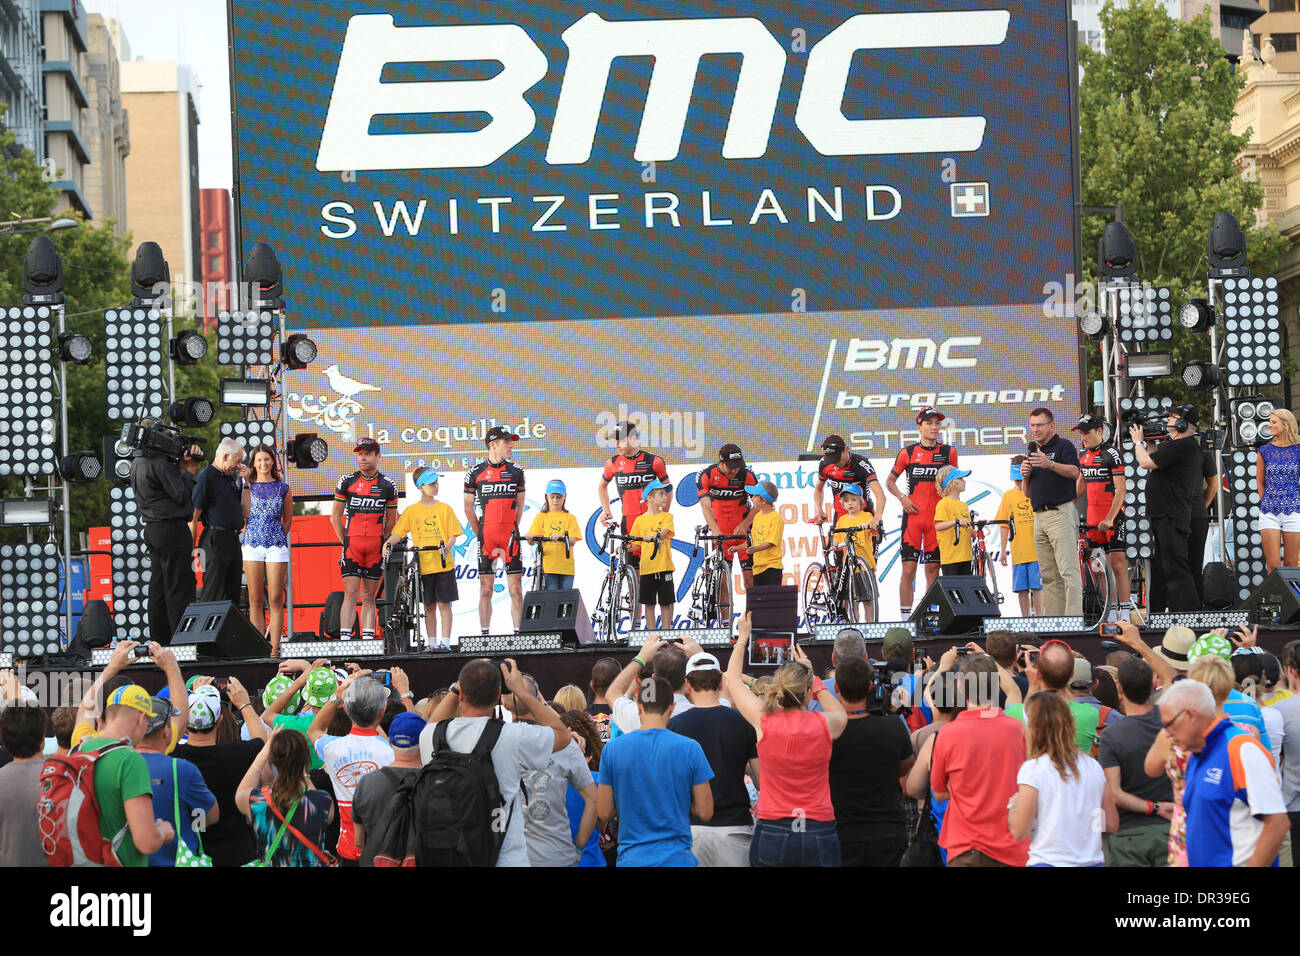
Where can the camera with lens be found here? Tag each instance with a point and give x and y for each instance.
(1154, 424)
(154, 440)
(889, 674)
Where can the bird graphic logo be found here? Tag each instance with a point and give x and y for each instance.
(338, 414)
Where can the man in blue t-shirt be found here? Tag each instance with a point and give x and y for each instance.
(180, 794)
(655, 780)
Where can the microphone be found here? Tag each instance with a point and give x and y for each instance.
(1033, 447)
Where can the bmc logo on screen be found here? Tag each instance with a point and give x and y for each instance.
(372, 42)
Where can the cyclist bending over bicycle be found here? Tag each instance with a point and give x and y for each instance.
(724, 491)
(860, 525)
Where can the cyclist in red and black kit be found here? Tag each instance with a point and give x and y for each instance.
(724, 498)
(494, 503)
(840, 467)
(365, 511)
(1101, 475)
(630, 470)
(921, 461)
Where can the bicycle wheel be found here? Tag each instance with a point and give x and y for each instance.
(817, 607)
(702, 593)
(988, 572)
(872, 594)
(624, 602)
(600, 614)
(1098, 587)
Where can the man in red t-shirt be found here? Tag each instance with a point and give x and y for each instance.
(921, 462)
(973, 766)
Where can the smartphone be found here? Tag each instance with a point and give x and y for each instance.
(1110, 629)
(1031, 655)
(221, 683)
(384, 678)
(963, 651)
(672, 640)
(141, 651)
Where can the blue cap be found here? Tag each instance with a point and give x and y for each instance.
(427, 477)
(852, 490)
(555, 487)
(404, 731)
(655, 486)
(948, 478)
(758, 491)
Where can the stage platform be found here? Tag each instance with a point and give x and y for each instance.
(552, 668)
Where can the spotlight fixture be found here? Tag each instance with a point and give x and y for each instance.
(263, 271)
(192, 411)
(1200, 376)
(1141, 540)
(1196, 315)
(245, 391)
(298, 351)
(81, 466)
(1116, 255)
(1249, 417)
(1248, 549)
(131, 564)
(1094, 325)
(76, 348)
(187, 347)
(117, 459)
(42, 273)
(19, 512)
(307, 450)
(1138, 365)
(1145, 314)
(1227, 245)
(150, 274)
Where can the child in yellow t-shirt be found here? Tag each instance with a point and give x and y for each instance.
(856, 523)
(1026, 580)
(950, 514)
(656, 584)
(768, 532)
(553, 526)
(431, 524)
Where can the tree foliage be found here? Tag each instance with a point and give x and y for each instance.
(1156, 137)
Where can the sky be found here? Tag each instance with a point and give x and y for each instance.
(192, 32)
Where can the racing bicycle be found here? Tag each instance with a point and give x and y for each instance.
(402, 626)
(1099, 588)
(618, 592)
(831, 594)
(706, 592)
(982, 563)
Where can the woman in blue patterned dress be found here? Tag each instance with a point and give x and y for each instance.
(1277, 478)
(268, 512)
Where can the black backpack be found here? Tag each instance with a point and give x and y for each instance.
(456, 804)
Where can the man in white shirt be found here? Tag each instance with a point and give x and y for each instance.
(522, 747)
(666, 660)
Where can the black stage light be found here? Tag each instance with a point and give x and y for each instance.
(263, 271)
(298, 351)
(1094, 325)
(1116, 256)
(307, 450)
(1196, 315)
(192, 411)
(149, 272)
(81, 466)
(1227, 245)
(187, 347)
(1200, 376)
(43, 270)
(76, 348)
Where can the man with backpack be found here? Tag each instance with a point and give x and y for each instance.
(374, 794)
(460, 817)
(122, 788)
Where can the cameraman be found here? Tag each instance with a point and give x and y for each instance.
(1175, 479)
(163, 489)
(219, 504)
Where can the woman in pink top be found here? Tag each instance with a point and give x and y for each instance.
(796, 822)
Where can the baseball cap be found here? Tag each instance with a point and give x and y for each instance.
(655, 486)
(204, 712)
(929, 412)
(498, 432)
(133, 696)
(851, 490)
(404, 731)
(367, 444)
(897, 643)
(1210, 644)
(426, 476)
(163, 712)
(624, 429)
(1082, 678)
(1175, 645)
(703, 661)
(952, 475)
(833, 443)
(731, 455)
(321, 685)
(1087, 423)
(556, 487)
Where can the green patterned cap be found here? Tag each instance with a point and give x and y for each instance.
(278, 685)
(321, 686)
(1211, 644)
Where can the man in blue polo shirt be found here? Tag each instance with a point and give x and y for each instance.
(1233, 802)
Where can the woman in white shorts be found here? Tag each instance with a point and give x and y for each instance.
(268, 512)
(1277, 477)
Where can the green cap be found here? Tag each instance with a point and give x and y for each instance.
(897, 643)
(322, 684)
(1211, 644)
(277, 686)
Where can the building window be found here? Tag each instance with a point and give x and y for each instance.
(214, 264)
(1280, 6)
(1284, 42)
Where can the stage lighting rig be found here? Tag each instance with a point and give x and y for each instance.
(1094, 325)
(307, 450)
(1116, 255)
(28, 409)
(244, 338)
(1147, 365)
(29, 579)
(191, 411)
(1227, 247)
(252, 433)
(150, 275)
(1200, 376)
(187, 348)
(298, 351)
(1196, 315)
(264, 273)
(81, 466)
(245, 391)
(76, 348)
(42, 274)
(133, 360)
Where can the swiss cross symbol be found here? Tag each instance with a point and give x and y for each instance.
(970, 199)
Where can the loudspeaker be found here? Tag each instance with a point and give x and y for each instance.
(329, 616)
(217, 629)
(94, 629)
(955, 604)
(562, 611)
(1219, 586)
(1276, 602)
(775, 606)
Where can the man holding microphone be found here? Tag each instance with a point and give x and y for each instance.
(1051, 469)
